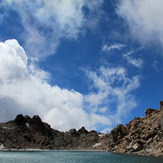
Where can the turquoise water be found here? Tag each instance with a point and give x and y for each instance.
(73, 157)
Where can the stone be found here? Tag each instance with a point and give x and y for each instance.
(161, 104)
(130, 147)
(149, 140)
(156, 138)
(137, 147)
(149, 111)
(119, 132)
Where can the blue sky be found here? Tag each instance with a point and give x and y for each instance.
(79, 62)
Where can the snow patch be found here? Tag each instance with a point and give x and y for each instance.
(6, 127)
(2, 146)
(148, 150)
(101, 135)
(27, 125)
(96, 145)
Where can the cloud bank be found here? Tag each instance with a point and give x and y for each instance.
(46, 22)
(25, 89)
(144, 18)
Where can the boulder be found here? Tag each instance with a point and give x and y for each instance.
(149, 111)
(137, 147)
(119, 132)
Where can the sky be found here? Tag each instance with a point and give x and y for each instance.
(79, 62)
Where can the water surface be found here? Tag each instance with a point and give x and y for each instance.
(73, 157)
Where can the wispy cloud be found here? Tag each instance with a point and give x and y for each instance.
(45, 23)
(137, 62)
(112, 89)
(155, 65)
(107, 48)
(130, 59)
(144, 18)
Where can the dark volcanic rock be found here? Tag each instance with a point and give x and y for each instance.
(26, 132)
(20, 120)
(82, 131)
(73, 132)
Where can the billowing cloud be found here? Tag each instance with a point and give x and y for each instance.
(144, 18)
(25, 89)
(46, 22)
(113, 94)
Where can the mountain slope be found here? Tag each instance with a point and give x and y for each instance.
(140, 136)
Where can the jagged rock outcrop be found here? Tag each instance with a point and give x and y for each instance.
(119, 132)
(149, 111)
(140, 136)
(25, 132)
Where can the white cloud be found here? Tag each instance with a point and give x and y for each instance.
(144, 18)
(103, 110)
(107, 48)
(155, 66)
(136, 62)
(47, 22)
(24, 89)
(113, 91)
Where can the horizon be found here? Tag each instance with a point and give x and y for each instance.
(80, 63)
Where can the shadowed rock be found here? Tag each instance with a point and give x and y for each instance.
(82, 131)
(20, 120)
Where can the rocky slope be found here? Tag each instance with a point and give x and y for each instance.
(140, 136)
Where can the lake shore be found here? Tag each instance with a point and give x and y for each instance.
(141, 136)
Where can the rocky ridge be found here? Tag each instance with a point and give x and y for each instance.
(140, 136)
(31, 133)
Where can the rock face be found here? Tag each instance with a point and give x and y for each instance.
(140, 136)
(25, 132)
